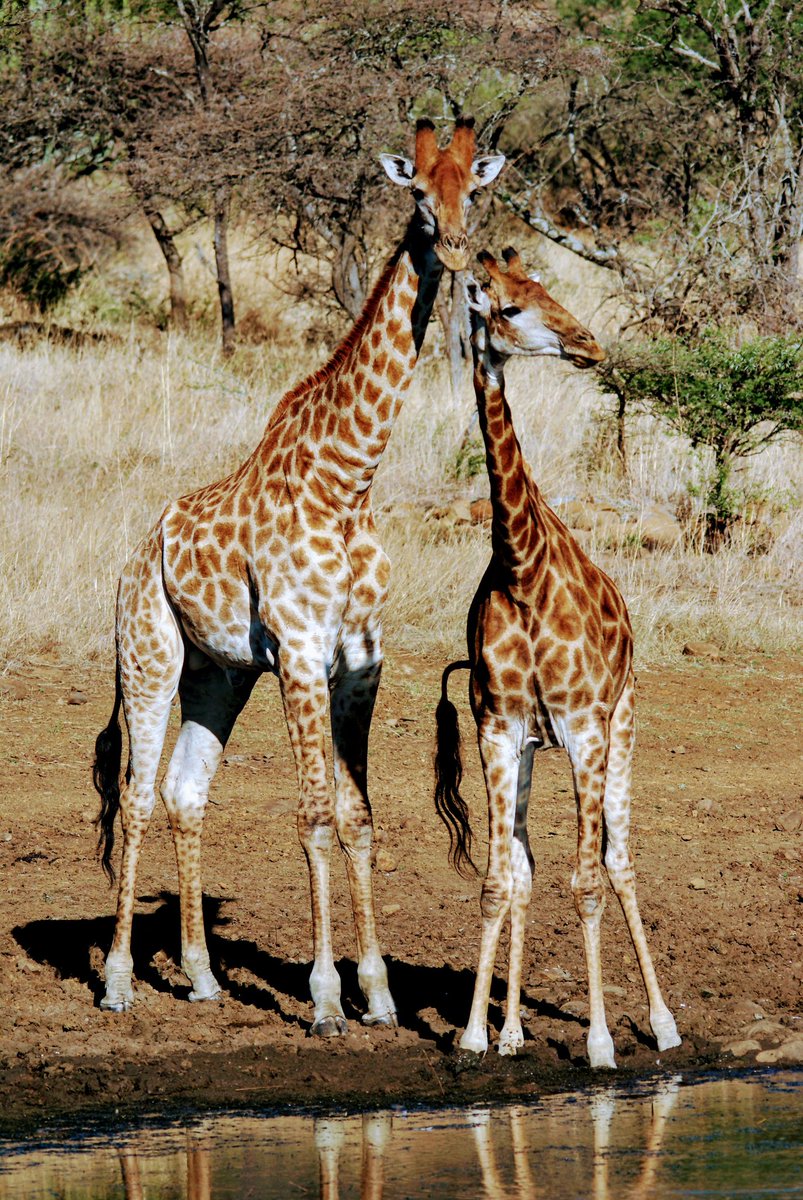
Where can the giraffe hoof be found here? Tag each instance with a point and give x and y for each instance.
(329, 1027)
(509, 1048)
(386, 1020)
(196, 997)
(116, 1006)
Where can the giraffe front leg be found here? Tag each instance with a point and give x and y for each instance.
(499, 743)
(588, 751)
(354, 685)
(304, 688)
(619, 863)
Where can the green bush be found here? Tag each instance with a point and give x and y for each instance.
(731, 399)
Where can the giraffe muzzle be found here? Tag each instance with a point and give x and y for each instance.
(452, 250)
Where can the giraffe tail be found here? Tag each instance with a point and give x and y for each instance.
(449, 804)
(106, 778)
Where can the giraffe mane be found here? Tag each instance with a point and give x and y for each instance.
(342, 352)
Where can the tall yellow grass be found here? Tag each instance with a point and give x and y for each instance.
(94, 441)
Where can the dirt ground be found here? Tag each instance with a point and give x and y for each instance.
(717, 839)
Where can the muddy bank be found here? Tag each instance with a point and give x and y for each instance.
(717, 839)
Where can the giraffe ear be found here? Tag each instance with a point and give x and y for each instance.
(477, 299)
(486, 169)
(536, 278)
(399, 170)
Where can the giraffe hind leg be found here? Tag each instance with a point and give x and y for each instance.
(353, 692)
(511, 1038)
(150, 656)
(499, 740)
(619, 862)
(211, 701)
(588, 749)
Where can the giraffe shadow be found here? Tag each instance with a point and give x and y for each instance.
(427, 996)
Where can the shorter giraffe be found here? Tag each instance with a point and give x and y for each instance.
(551, 654)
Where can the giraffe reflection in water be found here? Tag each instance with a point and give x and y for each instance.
(523, 1152)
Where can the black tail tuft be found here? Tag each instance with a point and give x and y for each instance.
(449, 804)
(106, 778)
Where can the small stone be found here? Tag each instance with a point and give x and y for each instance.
(740, 1048)
(77, 697)
(698, 884)
(610, 989)
(791, 1051)
(790, 822)
(14, 689)
(7, 837)
(385, 861)
(659, 530)
(703, 650)
(708, 808)
(388, 910)
(481, 511)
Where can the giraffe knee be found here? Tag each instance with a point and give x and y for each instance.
(355, 835)
(185, 802)
(496, 897)
(619, 865)
(589, 900)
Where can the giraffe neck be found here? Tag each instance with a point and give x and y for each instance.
(347, 410)
(518, 534)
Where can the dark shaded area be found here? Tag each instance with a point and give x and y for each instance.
(67, 946)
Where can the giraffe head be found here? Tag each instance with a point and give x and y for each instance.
(522, 318)
(443, 184)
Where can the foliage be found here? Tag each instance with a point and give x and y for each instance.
(731, 399)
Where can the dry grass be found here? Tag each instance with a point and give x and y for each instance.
(94, 441)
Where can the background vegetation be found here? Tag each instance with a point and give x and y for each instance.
(191, 213)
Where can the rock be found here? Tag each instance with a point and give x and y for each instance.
(790, 821)
(740, 1048)
(385, 861)
(456, 513)
(388, 910)
(658, 530)
(769, 1031)
(791, 1051)
(703, 650)
(14, 689)
(707, 807)
(697, 884)
(77, 697)
(481, 511)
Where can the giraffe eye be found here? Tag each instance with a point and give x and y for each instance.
(417, 194)
(510, 311)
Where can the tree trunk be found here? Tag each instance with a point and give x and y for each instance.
(175, 267)
(348, 276)
(621, 441)
(222, 267)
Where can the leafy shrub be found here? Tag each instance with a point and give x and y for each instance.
(731, 399)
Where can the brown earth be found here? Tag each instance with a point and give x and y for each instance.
(717, 839)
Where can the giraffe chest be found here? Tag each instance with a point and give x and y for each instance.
(242, 595)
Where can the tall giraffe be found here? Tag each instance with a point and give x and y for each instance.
(278, 568)
(551, 654)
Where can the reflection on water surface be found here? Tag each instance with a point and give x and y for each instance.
(725, 1137)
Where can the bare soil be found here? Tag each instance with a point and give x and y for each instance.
(717, 841)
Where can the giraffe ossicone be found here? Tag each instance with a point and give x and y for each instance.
(278, 568)
(550, 655)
